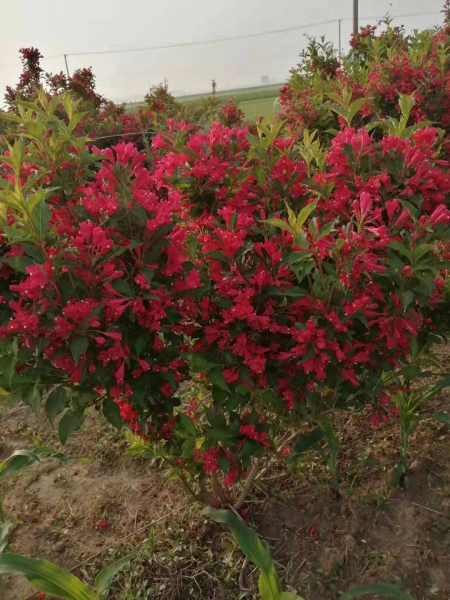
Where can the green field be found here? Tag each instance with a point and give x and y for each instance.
(240, 94)
(255, 101)
(262, 107)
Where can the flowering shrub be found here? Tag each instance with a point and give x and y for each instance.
(285, 276)
(105, 122)
(102, 121)
(378, 69)
(81, 84)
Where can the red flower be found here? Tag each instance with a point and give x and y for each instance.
(102, 524)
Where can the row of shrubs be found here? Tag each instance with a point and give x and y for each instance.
(383, 63)
(107, 122)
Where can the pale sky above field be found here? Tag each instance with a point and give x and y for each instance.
(60, 27)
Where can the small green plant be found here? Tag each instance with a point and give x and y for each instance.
(408, 405)
(20, 459)
(269, 582)
(55, 581)
(250, 544)
(330, 453)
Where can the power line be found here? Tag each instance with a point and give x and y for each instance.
(204, 42)
(226, 39)
(240, 37)
(45, 58)
(421, 14)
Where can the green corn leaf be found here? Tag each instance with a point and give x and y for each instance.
(305, 443)
(105, 577)
(251, 546)
(4, 529)
(383, 590)
(442, 417)
(46, 577)
(19, 460)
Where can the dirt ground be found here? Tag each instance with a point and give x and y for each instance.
(322, 544)
(59, 506)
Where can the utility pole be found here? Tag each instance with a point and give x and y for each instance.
(67, 66)
(355, 17)
(340, 39)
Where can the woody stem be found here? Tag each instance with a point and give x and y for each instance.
(248, 485)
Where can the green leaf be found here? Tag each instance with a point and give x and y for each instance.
(292, 292)
(7, 366)
(37, 197)
(356, 106)
(251, 546)
(71, 422)
(280, 224)
(106, 575)
(69, 105)
(442, 417)
(406, 105)
(200, 362)
(78, 347)
(305, 443)
(384, 590)
(31, 395)
(401, 249)
(5, 526)
(303, 268)
(216, 378)
(187, 424)
(340, 110)
(421, 250)
(228, 434)
(57, 401)
(260, 174)
(123, 287)
(112, 412)
(75, 120)
(406, 297)
(18, 461)
(10, 199)
(46, 577)
(304, 214)
(41, 216)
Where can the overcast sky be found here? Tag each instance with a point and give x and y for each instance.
(60, 27)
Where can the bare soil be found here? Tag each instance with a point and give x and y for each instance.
(323, 544)
(59, 506)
